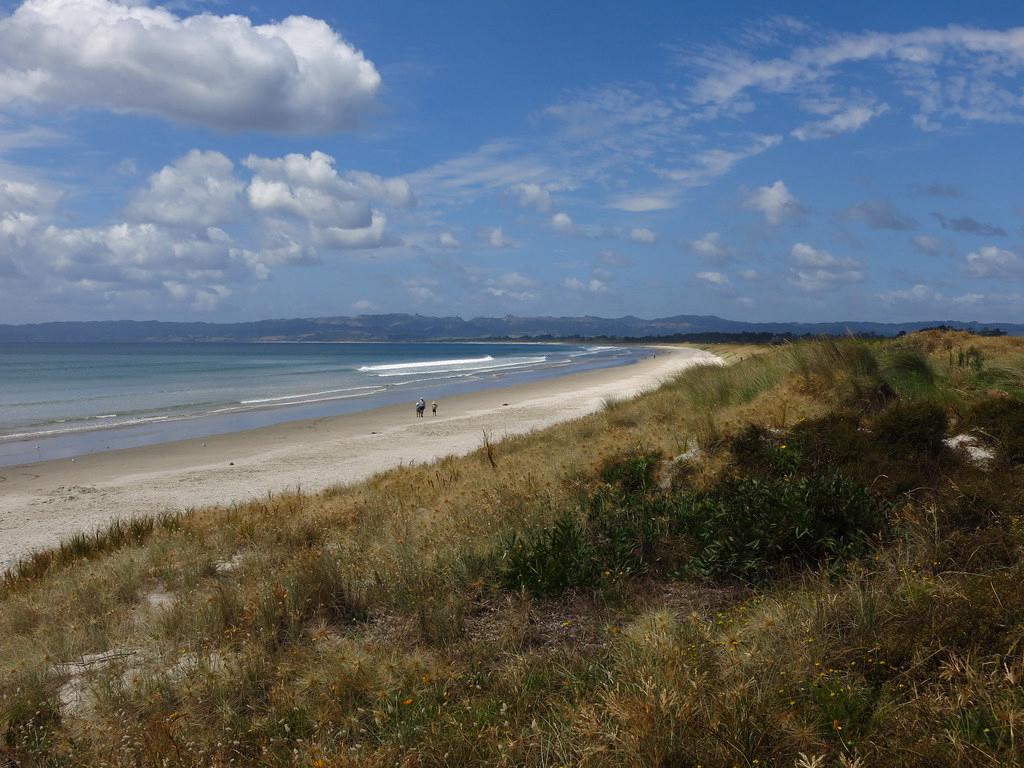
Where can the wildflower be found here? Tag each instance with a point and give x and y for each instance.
(408, 701)
(836, 726)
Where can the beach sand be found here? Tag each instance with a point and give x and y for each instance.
(43, 503)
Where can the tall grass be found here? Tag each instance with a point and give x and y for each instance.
(380, 624)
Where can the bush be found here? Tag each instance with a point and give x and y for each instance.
(631, 473)
(912, 428)
(1002, 420)
(554, 559)
(755, 451)
(746, 527)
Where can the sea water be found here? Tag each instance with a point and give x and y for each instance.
(59, 400)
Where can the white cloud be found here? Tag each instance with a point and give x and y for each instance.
(776, 203)
(422, 289)
(199, 189)
(372, 236)
(643, 203)
(448, 240)
(223, 72)
(496, 237)
(849, 120)
(643, 235)
(532, 196)
(710, 164)
(498, 166)
(715, 278)
(995, 263)
(921, 293)
(819, 270)
(585, 286)
(362, 306)
(711, 248)
(953, 71)
(336, 206)
(312, 180)
(24, 196)
(562, 222)
(511, 285)
(750, 274)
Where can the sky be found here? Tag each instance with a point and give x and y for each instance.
(220, 161)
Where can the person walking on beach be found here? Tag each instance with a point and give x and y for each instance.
(421, 406)
(433, 408)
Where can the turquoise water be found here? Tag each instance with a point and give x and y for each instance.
(66, 399)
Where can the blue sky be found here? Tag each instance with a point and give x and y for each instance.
(214, 161)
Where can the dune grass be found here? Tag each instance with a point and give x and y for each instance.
(777, 562)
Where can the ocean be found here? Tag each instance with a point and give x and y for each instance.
(61, 400)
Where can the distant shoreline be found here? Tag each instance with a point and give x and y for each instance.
(87, 433)
(43, 503)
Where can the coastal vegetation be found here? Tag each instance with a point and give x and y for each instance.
(809, 556)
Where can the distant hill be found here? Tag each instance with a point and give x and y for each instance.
(404, 327)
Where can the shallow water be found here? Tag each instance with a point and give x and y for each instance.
(59, 400)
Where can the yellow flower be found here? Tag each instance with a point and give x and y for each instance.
(408, 701)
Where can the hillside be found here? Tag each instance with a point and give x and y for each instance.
(810, 557)
(403, 327)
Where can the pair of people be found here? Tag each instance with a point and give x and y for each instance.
(421, 406)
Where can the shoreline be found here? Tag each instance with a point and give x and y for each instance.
(45, 502)
(80, 435)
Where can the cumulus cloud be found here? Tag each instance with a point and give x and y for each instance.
(714, 278)
(818, 270)
(994, 262)
(533, 196)
(496, 238)
(374, 235)
(711, 248)
(223, 72)
(776, 203)
(511, 285)
(199, 189)
(970, 225)
(562, 222)
(24, 196)
(849, 120)
(172, 246)
(642, 235)
(448, 240)
(337, 207)
(881, 214)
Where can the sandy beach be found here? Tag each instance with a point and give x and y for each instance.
(42, 503)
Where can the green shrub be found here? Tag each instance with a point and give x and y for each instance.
(755, 450)
(746, 528)
(1002, 420)
(552, 560)
(912, 428)
(631, 473)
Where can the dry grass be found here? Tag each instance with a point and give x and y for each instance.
(368, 626)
